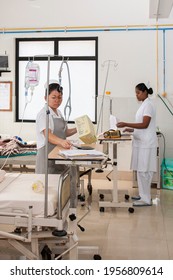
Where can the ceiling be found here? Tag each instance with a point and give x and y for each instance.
(68, 13)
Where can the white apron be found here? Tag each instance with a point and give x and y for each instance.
(59, 131)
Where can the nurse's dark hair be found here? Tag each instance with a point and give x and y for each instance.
(54, 86)
(143, 87)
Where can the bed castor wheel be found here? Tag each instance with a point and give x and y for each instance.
(99, 170)
(72, 217)
(46, 253)
(126, 197)
(102, 209)
(18, 230)
(97, 257)
(131, 210)
(89, 187)
(101, 196)
(59, 233)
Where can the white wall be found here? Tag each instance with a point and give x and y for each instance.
(134, 51)
(42, 13)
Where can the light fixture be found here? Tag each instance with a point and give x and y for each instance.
(160, 8)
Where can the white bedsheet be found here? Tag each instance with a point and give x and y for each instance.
(16, 194)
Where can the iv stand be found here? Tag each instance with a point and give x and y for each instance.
(104, 90)
(99, 170)
(68, 105)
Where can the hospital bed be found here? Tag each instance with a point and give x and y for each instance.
(22, 163)
(23, 208)
(14, 152)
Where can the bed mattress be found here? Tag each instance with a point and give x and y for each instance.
(17, 195)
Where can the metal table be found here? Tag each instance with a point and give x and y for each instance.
(114, 202)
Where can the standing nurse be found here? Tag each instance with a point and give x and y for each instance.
(58, 131)
(144, 144)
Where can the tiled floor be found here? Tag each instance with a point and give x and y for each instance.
(145, 234)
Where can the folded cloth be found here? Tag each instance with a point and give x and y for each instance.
(141, 203)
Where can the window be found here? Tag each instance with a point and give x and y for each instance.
(81, 56)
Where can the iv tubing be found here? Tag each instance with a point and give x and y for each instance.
(68, 103)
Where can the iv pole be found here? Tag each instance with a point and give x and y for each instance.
(104, 90)
(99, 170)
(46, 138)
(68, 105)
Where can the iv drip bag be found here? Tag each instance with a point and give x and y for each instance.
(32, 75)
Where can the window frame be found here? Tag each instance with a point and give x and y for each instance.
(56, 58)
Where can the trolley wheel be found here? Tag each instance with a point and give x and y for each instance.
(97, 257)
(102, 209)
(101, 196)
(57, 255)
(82, 198)
(131, 210)
(126, 197)
(89, 187)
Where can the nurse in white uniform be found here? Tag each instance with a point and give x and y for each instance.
(144, 144)
(58, 131)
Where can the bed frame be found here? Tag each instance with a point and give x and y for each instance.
(21, 162)
(39, 237)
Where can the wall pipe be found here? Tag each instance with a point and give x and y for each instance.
(164, 63)
(157, 59)
(164, 94)
(86, 29)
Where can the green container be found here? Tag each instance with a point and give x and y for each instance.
(167, 173)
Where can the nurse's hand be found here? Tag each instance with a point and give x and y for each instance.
(121, 124)
(130, 130)
(66, 144)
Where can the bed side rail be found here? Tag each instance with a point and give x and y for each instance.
(63, 180)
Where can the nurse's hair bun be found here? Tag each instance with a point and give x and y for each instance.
(143, 88)
(150, 91)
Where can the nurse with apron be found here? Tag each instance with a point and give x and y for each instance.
(58, 131)
(144, 144)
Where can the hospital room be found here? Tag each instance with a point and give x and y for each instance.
(86, 113)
